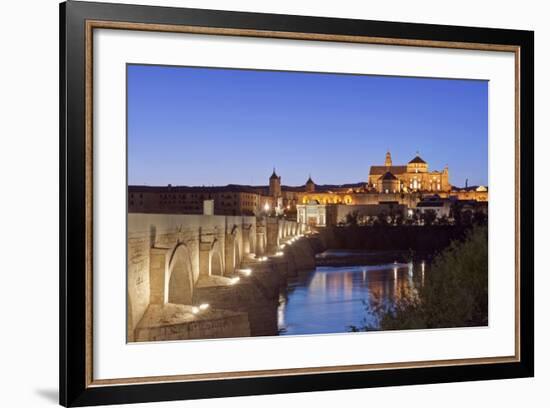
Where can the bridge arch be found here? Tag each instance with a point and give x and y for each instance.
(232, 250)
(180, 276)
(215, 259)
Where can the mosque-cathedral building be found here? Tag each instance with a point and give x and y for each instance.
(414, 176)
(401, 187)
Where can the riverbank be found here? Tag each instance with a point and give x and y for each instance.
(332, 257)
(424, 239)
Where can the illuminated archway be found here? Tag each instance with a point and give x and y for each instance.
(216, 264)
(216, 260)
(180, 276)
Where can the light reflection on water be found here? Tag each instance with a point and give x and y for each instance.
(331, 299)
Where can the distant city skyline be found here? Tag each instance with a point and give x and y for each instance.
(208, 126)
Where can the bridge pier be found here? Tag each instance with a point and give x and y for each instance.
(245, 234)
(272, 235)
(229, 254)
(260, 240)
(158, 279)
(205, 249)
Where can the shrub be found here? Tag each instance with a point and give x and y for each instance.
(454, 292)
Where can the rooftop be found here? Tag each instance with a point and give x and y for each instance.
(379, 170)
(388, 176)
(418, 160)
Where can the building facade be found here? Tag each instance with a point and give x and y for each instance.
(228, 200)
(411, 177)
(403, 185)
(313, 214)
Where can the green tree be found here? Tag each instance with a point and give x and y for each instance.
(443, 220)
(352, 218)
(399, 219)
(480, 218)
(415, 217)
(454, 292)
(429, 216)
(466, 217)
(383, 218)
(456, 213)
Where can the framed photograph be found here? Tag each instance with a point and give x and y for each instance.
(256, 203)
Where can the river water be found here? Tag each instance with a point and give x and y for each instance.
(331, 299)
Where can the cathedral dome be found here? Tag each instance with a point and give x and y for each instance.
(389, 183)
(417, 160)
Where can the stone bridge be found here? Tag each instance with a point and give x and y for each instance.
(176, 263)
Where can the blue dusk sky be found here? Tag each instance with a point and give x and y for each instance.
(207, 126)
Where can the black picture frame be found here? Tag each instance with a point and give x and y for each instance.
(75, 389)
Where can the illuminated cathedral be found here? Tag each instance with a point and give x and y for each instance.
(388, 185)
(413, 176)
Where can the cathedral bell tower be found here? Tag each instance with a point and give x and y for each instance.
(388, 162)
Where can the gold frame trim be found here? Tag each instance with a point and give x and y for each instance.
(99, 24)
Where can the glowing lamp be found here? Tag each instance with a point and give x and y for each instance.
(246, 271)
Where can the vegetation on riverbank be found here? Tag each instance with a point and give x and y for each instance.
(454, 293)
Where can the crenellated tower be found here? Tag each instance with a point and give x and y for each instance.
(275, 185)
(310, 185)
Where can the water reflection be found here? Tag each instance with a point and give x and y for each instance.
(331, 299)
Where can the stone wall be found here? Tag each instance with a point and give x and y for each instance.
(154, 239)
(416, 238)
(338, 213)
